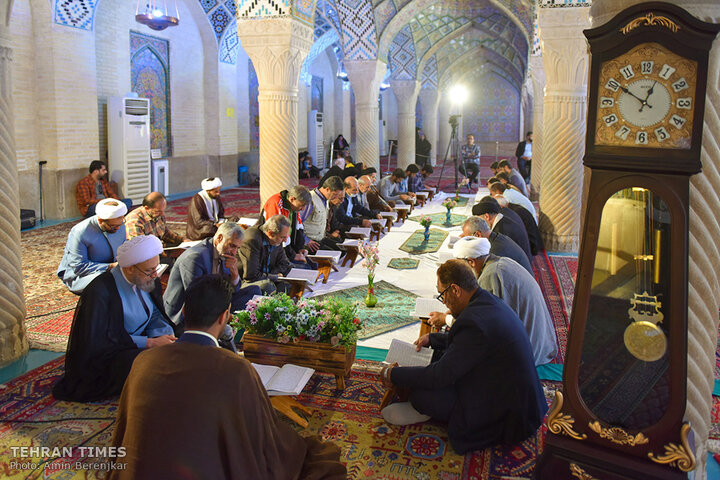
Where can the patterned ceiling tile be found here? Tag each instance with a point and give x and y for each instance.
(536, 50)
(429, 76)
(321, 26)
(231, 6)
(75, 13)
(263, 8)
(229, 45)
(383, 14)
(358, 29)
(208, 4)
(304, 10)
(403, 62)
(564, 3)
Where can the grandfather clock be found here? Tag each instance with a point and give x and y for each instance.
(620, 412)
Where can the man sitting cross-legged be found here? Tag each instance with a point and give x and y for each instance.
(500, 245)
(289, 204)
(482, 380)
(206, 211)
(213, 255)
(195, 411)
(504, 278)
(351, 212)
(116, 317)
(262, 256)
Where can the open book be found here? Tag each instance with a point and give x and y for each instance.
(332, 255)
(160, 269)
(250, 222)
(402, 207)
(349, 242)
(184, 245)
(392, 215)
(360, 231)
(405, 354)
(423, 307)
(301, 274)
(288, 380)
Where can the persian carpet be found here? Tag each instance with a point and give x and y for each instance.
(416, 243)
(566, 269)
(391, 312)
(547, 279)
(370, 447)
(439, 219)
(404, 263)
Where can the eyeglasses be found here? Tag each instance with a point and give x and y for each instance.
(152, 274)
(441, 296)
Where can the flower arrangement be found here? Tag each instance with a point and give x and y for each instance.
(372, 256)
(425, 221)
(278, 317)
(464, 183)
(449, 203)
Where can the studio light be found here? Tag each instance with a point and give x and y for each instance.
(458, 94)
(156, 15)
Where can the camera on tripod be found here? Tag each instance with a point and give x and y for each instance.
(454, 120)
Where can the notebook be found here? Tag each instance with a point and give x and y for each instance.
(423, 307)
(406, 355)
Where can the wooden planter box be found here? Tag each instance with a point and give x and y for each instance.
(320, 356)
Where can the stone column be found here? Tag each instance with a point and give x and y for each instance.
(430, 99)
(565, 57)
(365, 77)
(444, 130)
(406, 94)
(13, 339)
(277, 48)
(704, 263)
(538, 79)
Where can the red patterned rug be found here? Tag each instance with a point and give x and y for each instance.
(547, 278)
(370, 447)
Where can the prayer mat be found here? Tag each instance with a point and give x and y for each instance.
(391, 312)
(566, 268)
(547, 279)
(416, 243)
(404, 263)
(350, 418)
(439, 219)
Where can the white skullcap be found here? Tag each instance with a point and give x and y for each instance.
(116, 209)
(471, 247)
(138, 249)
(211, 183)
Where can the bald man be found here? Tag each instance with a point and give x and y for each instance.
(351, 212)
(149, 219)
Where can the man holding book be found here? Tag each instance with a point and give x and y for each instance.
(179, 415)
(262, 257)
(482, 381)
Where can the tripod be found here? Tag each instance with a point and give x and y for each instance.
(452, 143)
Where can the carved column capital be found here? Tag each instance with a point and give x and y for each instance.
(365, 77)
(564, 49)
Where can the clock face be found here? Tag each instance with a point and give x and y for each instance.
(646, 99)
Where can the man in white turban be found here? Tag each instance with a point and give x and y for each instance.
(206, 211)
(508, 280)
(92, 245)
(119, 314)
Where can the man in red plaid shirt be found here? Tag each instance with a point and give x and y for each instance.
(94, 188)
(149, 219)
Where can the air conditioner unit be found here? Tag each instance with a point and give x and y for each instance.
(315, 138)
(382, 134)
(129, 145)
(160, 177)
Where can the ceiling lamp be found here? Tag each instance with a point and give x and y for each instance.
(156, 15)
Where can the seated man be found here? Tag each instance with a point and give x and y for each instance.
(512, 196)
(213, 255)
(389, 189)
(262, 255)
(351, 212)
(193, 410)
(500, 245)
(289, 203)
(307, 169)
(470, 159)
(482, 380)
(149, 219)
(505, 279)
(315, 216)
(425, 173)
(414, 179)
(528, 221)
(92, 245)
(371, 193)
(514, 176)
(115, 318)
(506, 223)
(93, 188)
(206, 211)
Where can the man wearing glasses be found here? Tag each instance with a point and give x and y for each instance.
(117, 316)
(482, 380)
(92, 245)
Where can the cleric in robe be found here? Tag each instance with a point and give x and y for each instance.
(115, 319)
(206, 211)
(192, 410)
(92, 245)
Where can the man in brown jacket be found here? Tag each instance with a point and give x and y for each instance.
(262, 256)
(195, 411)
(206, 211)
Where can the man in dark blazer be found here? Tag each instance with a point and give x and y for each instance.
(217, 254)
(500, 245)
(528, 221)
(350, 212)
(505, 221)
(482, 380)
(262, 257)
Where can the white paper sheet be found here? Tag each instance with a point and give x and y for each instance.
(423, 307)
(405, 354)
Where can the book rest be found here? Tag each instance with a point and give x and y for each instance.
(351, 254)
(297, 288)
(324, 267)
(287, 405)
